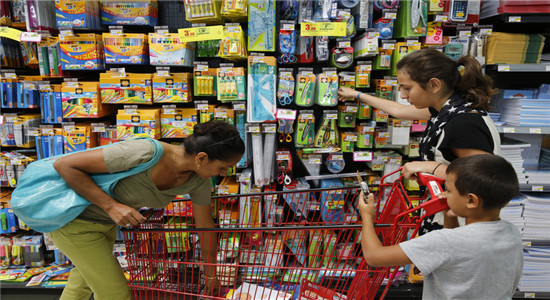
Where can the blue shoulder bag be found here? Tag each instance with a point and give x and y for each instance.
(46, 203)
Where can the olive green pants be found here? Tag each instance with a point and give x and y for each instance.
(89, 246)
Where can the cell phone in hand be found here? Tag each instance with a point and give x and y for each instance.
(364, 188)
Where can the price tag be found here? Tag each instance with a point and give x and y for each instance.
(514, 19)
(306, 116)
(220, 114)
(547, 68)
(33, 37)
(12, 33)
(165, 73)
(537, 188)
(465, 32)
(373, 34)
(72, 84)
(362, 156)
(47, 131)
(69, 128)
(344, 44)
(286, 114)
(131, 109)
(239, 106)
(226, 69)
(337, 157)
(365, 67)
(223, 190)
(201, 68)
(323, 29)
(350, 138)
(256, 59)
(509, 130)
(503, 68)
(116, 31)
(351, 108)
(529, 295)
(169, 110)
(535, 130)
(254, 129)
(201, 33)
(10, 76)
(98, 128)
(33, 132)
(315, 159)
(527, 243)
(202, 106)
(388, 46)
(486, 31)
(288, 26)
(390, 15)
(269, 129)
(441, 18)
(178, 124)
(332, 116)
(283, 156)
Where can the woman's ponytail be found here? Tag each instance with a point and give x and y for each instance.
(474, 86)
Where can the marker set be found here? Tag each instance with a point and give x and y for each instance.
(174, 88)
(131, 89)
(179, 123)
(81, 100)
(78, 137)
(168, 50)
(143, 122)
(82, 52)
(78, 14)
(125, 12)
(130, 48)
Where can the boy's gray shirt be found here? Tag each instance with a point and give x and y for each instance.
(478, 261)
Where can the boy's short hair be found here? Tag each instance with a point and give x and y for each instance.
(490, 177)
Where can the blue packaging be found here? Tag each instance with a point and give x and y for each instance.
(8, 222)
(332, 202)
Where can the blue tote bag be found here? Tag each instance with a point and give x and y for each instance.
(46, 203)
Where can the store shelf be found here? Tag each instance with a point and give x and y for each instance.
(536, 243)
(540, 67)
(534, 187)
(524, 129)
(531, 295)
(525, 18)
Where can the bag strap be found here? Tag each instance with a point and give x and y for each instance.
(157, 154)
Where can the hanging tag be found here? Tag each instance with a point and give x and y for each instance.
(131, 109)
(169, 109)
(362, 156)
(201, 33)
(98, 127)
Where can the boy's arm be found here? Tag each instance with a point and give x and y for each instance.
(376, 254)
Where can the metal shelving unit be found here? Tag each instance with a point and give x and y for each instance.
(532, 68)
(524, 129)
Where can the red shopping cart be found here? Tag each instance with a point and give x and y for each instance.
(269, 245)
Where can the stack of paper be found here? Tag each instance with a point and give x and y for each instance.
(536, 213)
(511, 150)
(526, 112)
(514, 48)
(536, 270)
(513, 212)
(540, 176)
(544, 158)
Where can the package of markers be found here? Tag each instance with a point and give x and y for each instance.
(174, 88)
(81, 100)
(178, 124)
(78, 137)
(129, 12)
(131, 48)
(82, 52)
(77, 14)
(168, 50)
(138, 123)
(130, 89)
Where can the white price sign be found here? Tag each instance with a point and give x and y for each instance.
(362, 156)
(504, 68)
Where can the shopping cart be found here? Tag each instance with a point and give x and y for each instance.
(269, 245)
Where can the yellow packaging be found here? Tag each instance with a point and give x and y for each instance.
(175, 88)
(78, 137)
(143, 123)
(179, 124)
(81, 100)
(129, 48)
(131, 89)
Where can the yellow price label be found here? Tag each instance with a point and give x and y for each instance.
(324, 29)
(10, 33)
(201, 33)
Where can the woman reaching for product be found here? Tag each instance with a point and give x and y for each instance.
(88, 240)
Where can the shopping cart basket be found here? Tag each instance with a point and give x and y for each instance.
(268, 244)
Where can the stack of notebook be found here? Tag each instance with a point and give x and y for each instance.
(514, 48)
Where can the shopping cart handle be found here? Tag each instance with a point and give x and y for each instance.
(432, 182)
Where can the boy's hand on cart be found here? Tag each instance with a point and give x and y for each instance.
(366, 209)
(213, 287)
(124, 215)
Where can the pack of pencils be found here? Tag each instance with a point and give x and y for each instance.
(28, 95)
(81, 100)
(131, 89)
(49, 57)
(140, 123)
(130, 48)
(175, 88)
(78, 14)
(129, 12)
(168, 50)
(49, 142)
(178, 124)
(82, 52)
(8, 90)
(11, 54)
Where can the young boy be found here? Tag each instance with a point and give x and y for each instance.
(481, 260)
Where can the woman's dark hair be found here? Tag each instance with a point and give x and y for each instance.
(473, 85)
(489, 176)
(219, 139)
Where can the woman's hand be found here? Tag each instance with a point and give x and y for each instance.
(366, 210)
(124, 215)
(345, 93)
(213, 287)
(410, 169)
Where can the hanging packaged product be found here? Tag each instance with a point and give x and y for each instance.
(347, 79)
(344, 15)
(231, 83)
(128, 48)
(402, 49)
(285, 119)
(305, 131)
(327, 134)
(232, 45)
(203, 11)
(8, 90)
(321, 48)
(177, 122)
(383, 60)
(236, 11)
(171, 87)
(78, 14)
(434, 34)
(49, 57)
(362, 74)
(117, 87)
(347, 113)
(365, 134)
(366, 45)
(285, 88)
(208, 48)
(78, 137)
(261, 25)
(29, 52)
(132, 122)
(262, 79)
(204, 79)
(18, 130)
(364, 111)
(288, 9)
(50, 103)
(82, 52)
(120, 12)
(342, 54)
(384, 27)
(399, 131)
(28, 95)
(287, 42)
(81, 100)
(306, 51)
(305, 87)
(49, 141)
(205, 111)
(327, 88)
(412, 19)
(348, 141)
(335, 162)
(381, 137)
(224, 113)
(167, 50)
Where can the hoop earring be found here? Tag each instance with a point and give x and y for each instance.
(198, 167)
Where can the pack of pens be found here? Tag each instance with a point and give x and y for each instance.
(204, 79)
(132, 122)
(49, 57)
(8, 90)
(127, 88)
(172, 87)
(168, 50)
(49, 141)
(78, 137)
(177, 122)
(203, 11)
(129, 12)
(81, 100)
(82, 52)
(30, 248)
(11, 53)
(51, 108)
(231, 83)
(15, 129)
(78, 14)
(126, 48)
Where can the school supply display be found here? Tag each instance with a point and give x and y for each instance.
(305, 87)
(78, 14)
(231, 83)
(14, 131)
(236, 11)
(287, 42)
(82, 100)
(204, 79)
(172, 87)
(124, 12)
(82, 52)
(129, 48)
(49, 142)
(342, 54)
(362, 74)
(327, 134)
(168, 50)
(127, 88)
(514, 48)
(285, 88)
(51, 108)
(132, 123)
(206, 11)
(262, 98)
(177, 122)
(45, 203)
(49, 57)
(261, 25)
(327, 88)
(78, 137)
(305, 131)
(233, 45)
